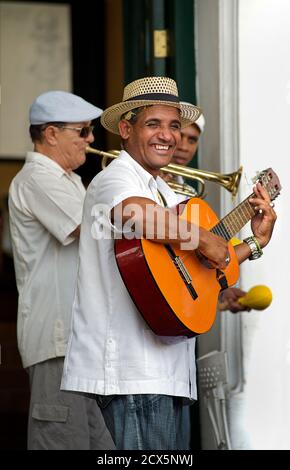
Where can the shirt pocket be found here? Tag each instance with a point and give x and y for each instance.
(54, 413)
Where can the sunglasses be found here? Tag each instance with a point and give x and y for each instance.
(83, 131)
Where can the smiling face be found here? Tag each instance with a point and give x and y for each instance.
(153, 138)
(187, 146)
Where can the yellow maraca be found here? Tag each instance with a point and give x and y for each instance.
(258, 298)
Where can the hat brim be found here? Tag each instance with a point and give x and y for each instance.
(111, 116)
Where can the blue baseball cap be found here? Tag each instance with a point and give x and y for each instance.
(61, 106)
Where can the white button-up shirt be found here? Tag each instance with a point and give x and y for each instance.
(45, 205)
(111, 348)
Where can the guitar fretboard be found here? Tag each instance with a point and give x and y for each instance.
(232, 223)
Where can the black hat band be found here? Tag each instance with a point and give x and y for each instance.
(155, 96)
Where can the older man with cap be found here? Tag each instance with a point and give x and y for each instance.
(45, 203)
(139, 379)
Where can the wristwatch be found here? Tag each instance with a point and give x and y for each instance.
(254, 245)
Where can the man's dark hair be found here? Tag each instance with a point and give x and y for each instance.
(36, 130)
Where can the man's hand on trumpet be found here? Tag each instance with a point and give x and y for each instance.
(167, 177)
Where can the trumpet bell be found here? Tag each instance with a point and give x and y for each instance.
(229, 181)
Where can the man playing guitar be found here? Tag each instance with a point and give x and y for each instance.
(140, 378)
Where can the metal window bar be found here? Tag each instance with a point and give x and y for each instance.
(212, 378)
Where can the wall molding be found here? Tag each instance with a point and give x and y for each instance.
(231, 327)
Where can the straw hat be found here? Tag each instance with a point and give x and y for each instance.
(200, 121)
(145, 92)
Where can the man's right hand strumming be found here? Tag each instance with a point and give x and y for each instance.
(214, 249)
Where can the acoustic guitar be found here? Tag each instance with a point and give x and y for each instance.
(174, 290)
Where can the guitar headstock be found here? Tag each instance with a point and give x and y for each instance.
(270, 181)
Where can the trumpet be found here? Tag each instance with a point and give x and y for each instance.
(229, 181)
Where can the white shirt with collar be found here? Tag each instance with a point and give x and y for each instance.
(45, 206)
(111, 348)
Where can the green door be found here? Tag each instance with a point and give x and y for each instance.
(159, 40)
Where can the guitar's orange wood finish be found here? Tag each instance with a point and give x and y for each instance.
(196, 315)
(154, 282)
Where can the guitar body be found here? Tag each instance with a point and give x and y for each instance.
(168, 304)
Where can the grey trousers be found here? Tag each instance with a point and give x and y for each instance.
(61, 420)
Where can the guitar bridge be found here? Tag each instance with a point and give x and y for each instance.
(180, 266)
(184, 274)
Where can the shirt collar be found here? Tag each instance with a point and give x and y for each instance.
(144, 174)
(150, 181)
(50, 164)
(167, 192)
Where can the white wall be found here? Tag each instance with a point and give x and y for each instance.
(35, 56)
(264, 103)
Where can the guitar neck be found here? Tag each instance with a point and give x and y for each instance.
(232, 223)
